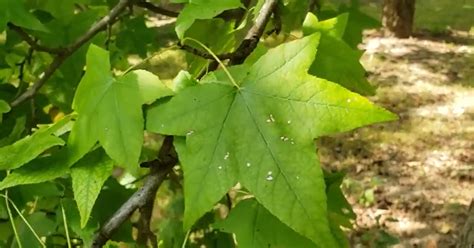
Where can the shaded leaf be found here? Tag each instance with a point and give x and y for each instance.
(335, 60)
(4, 108)
(292, 13)
(88, 176)
(201, 9)
(261, 134)
(110, 109)
(15, 12)
(30, 147)
(255, 227)
(37, 171)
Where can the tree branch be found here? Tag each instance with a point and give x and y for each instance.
(69, 50)
(156, 9)
(33, 44)
(144, 233)
(144, 197)
(204, 54)
(251, 39)
(253, 35)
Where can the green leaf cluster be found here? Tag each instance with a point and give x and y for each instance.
(72, 153)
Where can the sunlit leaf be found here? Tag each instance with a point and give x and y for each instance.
(261, 135)
(110, 109)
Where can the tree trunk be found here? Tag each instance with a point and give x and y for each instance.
(398, 17)
(467, 234)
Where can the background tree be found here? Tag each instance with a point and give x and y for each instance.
(398, 17)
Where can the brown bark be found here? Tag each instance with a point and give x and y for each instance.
(466, 239)
(398, 17)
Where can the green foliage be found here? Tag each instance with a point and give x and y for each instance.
(88, 177)
(4, 108)
(201, 9)
(83, 109)
(254, 226)
(15, 12)
(104, 117)
(28, 148)
(278, 119)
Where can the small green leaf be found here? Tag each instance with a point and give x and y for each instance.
(110, 109)
(4, 108)
(88, 176)
(37, 171)
(261, 135)
(201, 9)
(334, 27)
(15, 12)
(255, 227)
(30, 147)
(335, 60)
(182, 81)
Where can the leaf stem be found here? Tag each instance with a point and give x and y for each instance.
(69, 245)
(224, 67)
(24, 220)
(12, 221)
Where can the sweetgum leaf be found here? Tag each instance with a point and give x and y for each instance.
(88, 176)
(30, 147)
(201, 9)
(15, 12)
(336, 61)
(255, 227)
(261, 134)
(110, 109)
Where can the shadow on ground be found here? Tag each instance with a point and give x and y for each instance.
(413, 178)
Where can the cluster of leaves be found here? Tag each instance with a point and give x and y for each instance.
(244, 134)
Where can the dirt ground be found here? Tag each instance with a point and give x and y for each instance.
(412, 179)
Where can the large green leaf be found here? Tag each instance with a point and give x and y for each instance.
(110, 109)
(201, 9)
(30, 147)
(261, 134)
(4, 108)
(88, 176)
(255, 227)
(15, 12)
(335, 60)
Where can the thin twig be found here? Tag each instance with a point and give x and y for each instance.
(156, 9)
(203, 54)
(159, 171)
(69, 50)
(33, 44)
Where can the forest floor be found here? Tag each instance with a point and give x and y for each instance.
(414, 178)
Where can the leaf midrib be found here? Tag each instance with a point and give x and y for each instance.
(274, 158)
